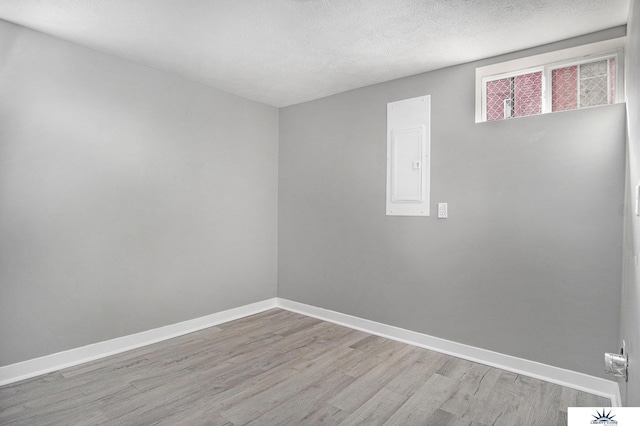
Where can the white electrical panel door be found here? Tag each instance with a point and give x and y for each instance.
(408, 162)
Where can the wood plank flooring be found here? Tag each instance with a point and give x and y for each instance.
(281, 368)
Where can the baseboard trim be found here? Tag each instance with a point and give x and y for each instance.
(46, 364)
(571, 379)
(58, 361)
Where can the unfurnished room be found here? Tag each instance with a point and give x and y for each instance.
(301, 212)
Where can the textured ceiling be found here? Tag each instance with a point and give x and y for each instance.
(283, 52)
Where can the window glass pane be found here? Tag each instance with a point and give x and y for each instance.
(527, 94)
(514, 96)
(594, 83)
(499, 92)
(564, 88)
(612, 80)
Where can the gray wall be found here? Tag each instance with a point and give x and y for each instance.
(532, 246)
(630, 310)
(129, 198)
(132, 199)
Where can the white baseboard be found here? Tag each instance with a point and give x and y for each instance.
(571, 379)
(58, 361)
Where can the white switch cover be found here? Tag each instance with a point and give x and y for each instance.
(442, 210)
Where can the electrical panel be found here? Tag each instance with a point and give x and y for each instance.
(408, 156)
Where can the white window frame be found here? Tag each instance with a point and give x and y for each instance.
(547, 62)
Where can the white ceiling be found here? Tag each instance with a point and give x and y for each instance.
(284, 52)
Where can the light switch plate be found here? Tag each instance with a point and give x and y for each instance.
(442, 210)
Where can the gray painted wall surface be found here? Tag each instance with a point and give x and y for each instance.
(533, 244)
(630, 309)
(129, 198)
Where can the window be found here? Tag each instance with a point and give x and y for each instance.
(556, 81)
(557, 87)
(515, 96)
(583, 85)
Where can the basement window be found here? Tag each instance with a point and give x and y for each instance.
(582, 85)
(511, 96)
(558, 81)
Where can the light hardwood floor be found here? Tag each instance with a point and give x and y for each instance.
(281, 368)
